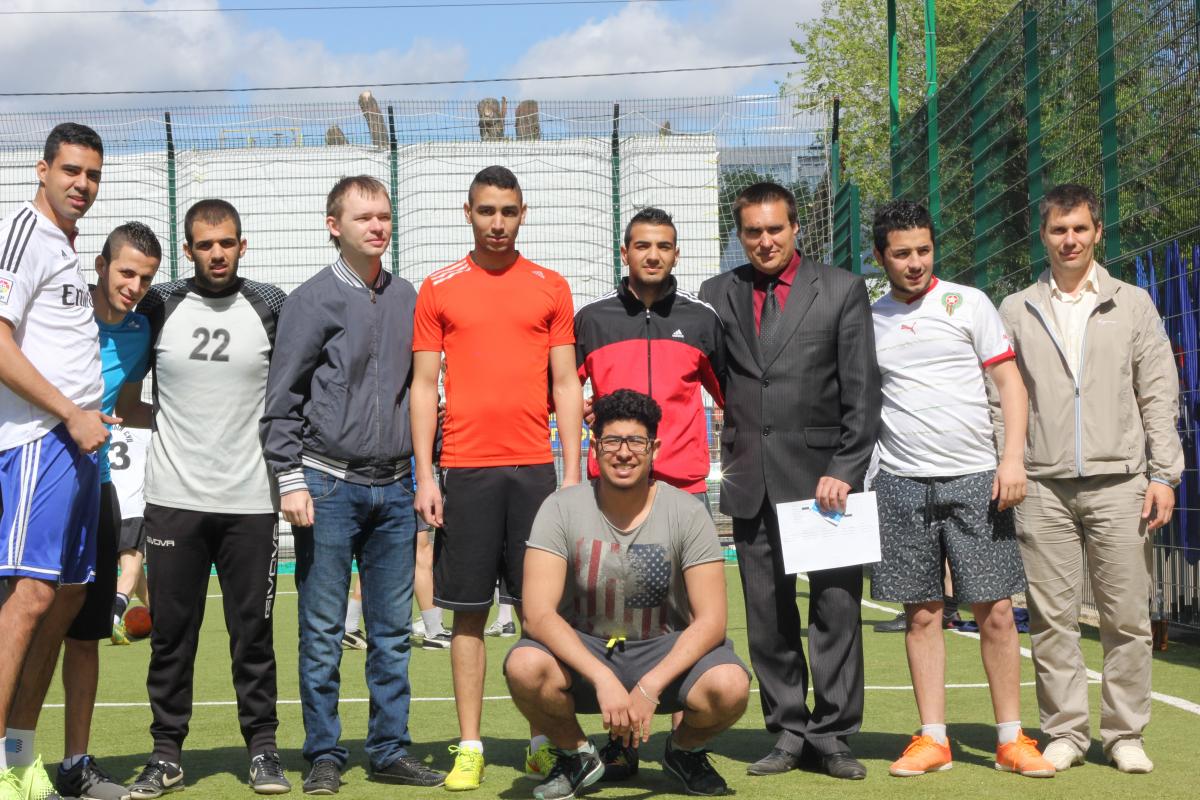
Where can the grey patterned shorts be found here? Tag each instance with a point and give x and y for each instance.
(923, 521)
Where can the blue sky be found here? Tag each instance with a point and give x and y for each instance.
(218, 48)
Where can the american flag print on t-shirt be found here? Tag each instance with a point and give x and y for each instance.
(622, 593)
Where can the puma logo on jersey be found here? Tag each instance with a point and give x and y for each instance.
(910, 328)
(678, 334)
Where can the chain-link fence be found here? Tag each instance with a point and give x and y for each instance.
(1100, 92)
(585, 167)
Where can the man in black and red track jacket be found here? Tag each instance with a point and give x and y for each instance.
(650, 336)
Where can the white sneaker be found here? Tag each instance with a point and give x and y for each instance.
(1063, 755)
(418, 628)
(1129, 757)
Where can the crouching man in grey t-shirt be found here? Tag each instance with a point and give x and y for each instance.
(624, 613)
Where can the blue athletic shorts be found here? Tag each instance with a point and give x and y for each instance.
(49, 510)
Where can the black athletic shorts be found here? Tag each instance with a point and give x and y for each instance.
(94, 620)
(133, 535)
(631, 660)
(488, 514)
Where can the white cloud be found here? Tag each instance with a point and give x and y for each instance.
(644, 37)
(196, 50)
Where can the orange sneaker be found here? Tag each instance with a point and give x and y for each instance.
(1022, 756)
(923, 754)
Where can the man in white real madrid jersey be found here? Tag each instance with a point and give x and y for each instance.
(50, 429)
(942, 493)
(210, 498)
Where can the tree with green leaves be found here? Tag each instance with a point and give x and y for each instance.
(845, 53)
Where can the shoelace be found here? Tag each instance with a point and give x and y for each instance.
(325, 770)
(268, 765)
(697, 759)
(921, 744)
(563, 759)
(152, 773)
(417, 767)
(94, 774)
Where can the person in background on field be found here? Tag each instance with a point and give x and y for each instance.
(336, 435)
(1103, 457)
(127, 460)
(941, 492)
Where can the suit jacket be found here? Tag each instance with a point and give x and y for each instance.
(810, 406)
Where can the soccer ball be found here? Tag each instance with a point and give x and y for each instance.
(137, 622)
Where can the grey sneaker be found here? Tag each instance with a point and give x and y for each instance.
(266, 774)
(571, 773)
(157, 778)
(410, 772)
(88, 781)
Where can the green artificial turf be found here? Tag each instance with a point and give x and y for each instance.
(215, 761)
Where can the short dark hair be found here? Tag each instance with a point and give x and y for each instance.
(364, 184)
(626, 404)
(213, 212)
(495, 175)
(899, 215)
(1068, 197)
(135, 234)
(650, 216)
(765, 192)
(71, 133)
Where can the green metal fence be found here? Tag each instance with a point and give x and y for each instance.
(1102, 92)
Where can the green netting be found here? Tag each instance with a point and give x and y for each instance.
(585, 166)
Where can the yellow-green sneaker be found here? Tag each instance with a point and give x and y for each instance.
(10, 785)
(118, 634)
(35, 783)
(468, 770)
(539, 763)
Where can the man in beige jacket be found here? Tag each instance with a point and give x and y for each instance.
(1102, 457)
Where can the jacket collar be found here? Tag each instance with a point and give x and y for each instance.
(1106, 286)
(661, 306)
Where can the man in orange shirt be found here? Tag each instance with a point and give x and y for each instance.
(506, 326)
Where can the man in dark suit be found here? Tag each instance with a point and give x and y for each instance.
(802, 405)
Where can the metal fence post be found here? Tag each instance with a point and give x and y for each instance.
(1109, 143)
(616, 193)
(172, 222)
(931, 104)
(894, 96)
(393, 160)
(1033, 136)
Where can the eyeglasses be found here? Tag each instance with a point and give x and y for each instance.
(638, 445)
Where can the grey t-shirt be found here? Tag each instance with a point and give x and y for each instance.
(626, 582)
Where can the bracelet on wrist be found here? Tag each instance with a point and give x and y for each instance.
(645, 694)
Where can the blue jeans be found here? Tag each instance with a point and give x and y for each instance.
(377, 525)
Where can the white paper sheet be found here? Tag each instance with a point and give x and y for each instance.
(811, 543)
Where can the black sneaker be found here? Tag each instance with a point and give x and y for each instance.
(694, 771)
(620, 762)
(571, 773)
(410, 772)
(439, 642)
(324, 778)
(266, 774)
(898, 624)
(157, 778)
(87, 781)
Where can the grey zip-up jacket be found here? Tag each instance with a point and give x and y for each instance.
(337, 393)
(1119, 416)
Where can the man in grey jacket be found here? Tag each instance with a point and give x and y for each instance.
(1102, 458)
(336, 434)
